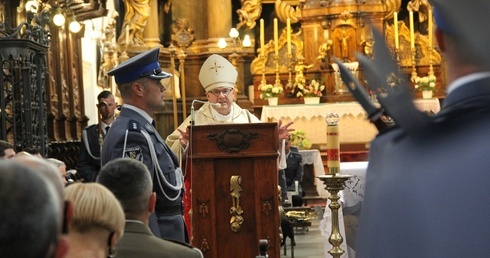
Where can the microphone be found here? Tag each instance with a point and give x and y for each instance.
(200, 101)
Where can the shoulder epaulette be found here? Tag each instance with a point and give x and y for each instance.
(133, 125)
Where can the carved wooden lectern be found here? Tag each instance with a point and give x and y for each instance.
(235, 189)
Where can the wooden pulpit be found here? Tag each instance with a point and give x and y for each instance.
(235, 189)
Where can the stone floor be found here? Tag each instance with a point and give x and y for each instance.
(308, 245)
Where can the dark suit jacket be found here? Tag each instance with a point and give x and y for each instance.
(428, 196)
(89, 165)
(137, 147)
(138, 241)
(294, 169)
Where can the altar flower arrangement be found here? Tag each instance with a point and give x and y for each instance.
(426, 83)
(298, 138)
(270, 91)
(311, 89)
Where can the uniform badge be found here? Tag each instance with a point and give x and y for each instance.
(134, 153)
(149, 127)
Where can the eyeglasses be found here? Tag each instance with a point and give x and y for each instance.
(217, 92)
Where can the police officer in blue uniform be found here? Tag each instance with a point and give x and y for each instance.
(427, 185)
(133, 135)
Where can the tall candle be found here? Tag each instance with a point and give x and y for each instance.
(333, 143)
(412, 33)
(395, 22)
(262, 50)
(276, 41)
(288, 28)
(430, 27)
(127, 34)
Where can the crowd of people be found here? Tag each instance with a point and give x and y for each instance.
(130, 200)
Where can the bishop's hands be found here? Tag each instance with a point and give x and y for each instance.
(184, 137)
(284, 130)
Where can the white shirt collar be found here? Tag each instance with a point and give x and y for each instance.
(140, 111)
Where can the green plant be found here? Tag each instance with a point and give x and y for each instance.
(298, 138)
(312, 89)
(270, 91)
(426, 83)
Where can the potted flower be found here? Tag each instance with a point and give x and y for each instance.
(270, 93)
(298, 138)
(313, 89)
(426, 85)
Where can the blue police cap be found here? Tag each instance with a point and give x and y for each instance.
(139, 66)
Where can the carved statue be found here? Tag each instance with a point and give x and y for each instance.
(137, 13)
(368, 47)
(249, 13)
(109, 60)
(344, 45)
(299, 68)
(420, 6)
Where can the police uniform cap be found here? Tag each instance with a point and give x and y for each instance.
(140, 66)
(466, 21)
(217, 72)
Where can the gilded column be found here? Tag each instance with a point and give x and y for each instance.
(219, 18)
(150, 34)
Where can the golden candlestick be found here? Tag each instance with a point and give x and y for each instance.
(335, 183)
(414, 70)
(431, 67)
(277, 82)
(263, 81)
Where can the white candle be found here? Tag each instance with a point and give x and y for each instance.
(333, 149)
(288, 28)
(430, 27)
(276, 41)
(127, 34)
(412, 32)
(395, 22)
(262, 50)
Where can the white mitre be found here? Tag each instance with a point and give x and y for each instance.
(217, 72)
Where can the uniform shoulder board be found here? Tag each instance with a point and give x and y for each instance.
(133, 125)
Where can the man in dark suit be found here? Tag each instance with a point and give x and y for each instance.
(131, 183)
(294, 172)
(427, 190)
(133, 135)
(92, 137)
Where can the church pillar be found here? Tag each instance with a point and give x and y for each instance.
(219, 18)
(150, 34)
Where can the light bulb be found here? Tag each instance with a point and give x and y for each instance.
(246, 41)
(58, 18)
(222, 43)
(234, 33)
(32, 6)
(75, 26)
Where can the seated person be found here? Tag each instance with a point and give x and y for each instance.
(98, 220)
(294, 172)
